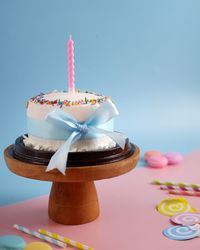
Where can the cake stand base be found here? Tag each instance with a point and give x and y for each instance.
(73, 203)
(73, 198)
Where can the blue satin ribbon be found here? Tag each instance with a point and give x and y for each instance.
(45, 130)
(104, 113)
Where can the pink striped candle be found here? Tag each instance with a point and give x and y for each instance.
(70, 46)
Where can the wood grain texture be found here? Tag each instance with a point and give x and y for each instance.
(73, 203)
(75, 174)
(73, 199)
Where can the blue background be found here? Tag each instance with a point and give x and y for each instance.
(145, 54)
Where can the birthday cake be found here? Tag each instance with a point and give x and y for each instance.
(43, 135)
(64, 122)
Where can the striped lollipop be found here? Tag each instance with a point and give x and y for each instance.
(172, 206)
(186, 218)
(181, 232)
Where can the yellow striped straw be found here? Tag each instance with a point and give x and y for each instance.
(65, 240)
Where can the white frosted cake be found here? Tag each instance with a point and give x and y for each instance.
(43, 135)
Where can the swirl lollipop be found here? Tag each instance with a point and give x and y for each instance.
(181, 232)
(172, 206)
(186, 218)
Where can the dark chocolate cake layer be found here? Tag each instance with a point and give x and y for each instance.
(87, 158)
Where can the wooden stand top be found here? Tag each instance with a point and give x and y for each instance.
(73, 174)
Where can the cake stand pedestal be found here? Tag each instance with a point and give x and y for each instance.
(73, 199)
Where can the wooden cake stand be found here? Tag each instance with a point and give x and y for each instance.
(73, 198)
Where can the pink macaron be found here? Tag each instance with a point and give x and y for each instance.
(150, 153)
(174, 158)
(157, 161)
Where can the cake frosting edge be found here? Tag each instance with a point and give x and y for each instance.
(81, 106)
(101, 143)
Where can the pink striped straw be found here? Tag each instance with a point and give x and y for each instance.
(70, 46)
(182, 192)
(173, 187)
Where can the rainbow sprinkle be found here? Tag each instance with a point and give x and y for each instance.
(68, 103)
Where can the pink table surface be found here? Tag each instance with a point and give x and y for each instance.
(128, 218)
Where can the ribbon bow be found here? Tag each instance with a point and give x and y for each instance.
(101, 115)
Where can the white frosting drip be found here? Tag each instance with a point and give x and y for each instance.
(79, 112)
(79, 146)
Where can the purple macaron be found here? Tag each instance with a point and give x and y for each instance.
(174, 158)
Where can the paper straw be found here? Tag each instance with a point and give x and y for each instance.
(40, 236)
(179, 184)
(165, 187)
(65, 239)
(182, 192)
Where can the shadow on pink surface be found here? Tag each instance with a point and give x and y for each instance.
(128, 218)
